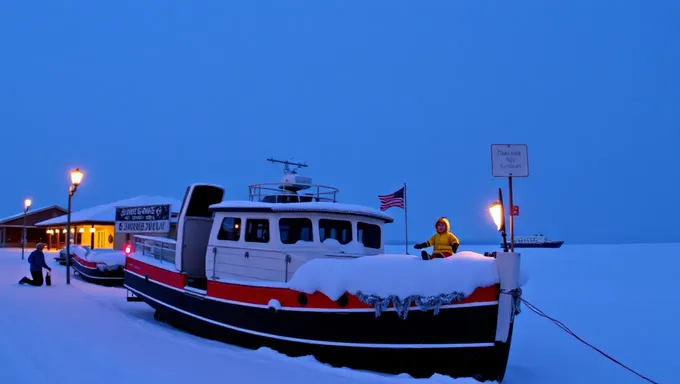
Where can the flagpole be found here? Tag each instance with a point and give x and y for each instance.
(405, 221)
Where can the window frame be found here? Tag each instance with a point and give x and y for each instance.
(237, 220)
(311, 229)
(363, 231)
(350, 231)
(268, 230)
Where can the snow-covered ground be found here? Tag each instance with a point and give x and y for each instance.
(621, 298)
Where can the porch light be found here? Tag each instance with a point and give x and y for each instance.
(92, 230)
(81, 230)
(63, 231)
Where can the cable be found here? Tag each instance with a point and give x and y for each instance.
(516, 293)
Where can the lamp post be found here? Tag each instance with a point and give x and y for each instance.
(76, 178)
(498, 214)
(27, 206)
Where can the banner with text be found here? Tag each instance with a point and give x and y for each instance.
(143, 219)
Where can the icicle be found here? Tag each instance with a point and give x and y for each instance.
(425, 303)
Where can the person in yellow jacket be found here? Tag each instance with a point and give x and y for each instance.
(444, 242)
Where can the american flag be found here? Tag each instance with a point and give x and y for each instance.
(395, 199)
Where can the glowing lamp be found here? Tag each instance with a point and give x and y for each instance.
(498, 214)
(76, 177)
(127, 249)
(496, 210)
(73, 230)
(63, 231)
(92, 230)
(81, 230)
(27, 204)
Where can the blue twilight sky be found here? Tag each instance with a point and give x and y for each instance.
(148, 96)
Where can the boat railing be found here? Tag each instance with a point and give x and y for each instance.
(286, 257)
(272, 193)
(160, 248)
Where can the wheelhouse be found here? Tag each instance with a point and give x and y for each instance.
(280, 229)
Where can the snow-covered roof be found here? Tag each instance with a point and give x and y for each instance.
(106, 213)
(338, 208)
(30, 212)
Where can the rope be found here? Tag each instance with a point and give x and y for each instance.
(517, 295)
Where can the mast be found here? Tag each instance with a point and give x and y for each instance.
(287, 164)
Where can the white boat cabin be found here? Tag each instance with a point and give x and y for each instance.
(266, 238)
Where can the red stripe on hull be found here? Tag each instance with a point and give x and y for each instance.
(248, 294)
(289, 298)
(161, 275)
(84, 262)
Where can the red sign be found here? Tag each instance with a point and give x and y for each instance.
(515, 210)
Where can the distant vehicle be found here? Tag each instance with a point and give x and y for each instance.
(537, 241)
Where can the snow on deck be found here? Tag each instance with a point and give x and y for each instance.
(396, 274)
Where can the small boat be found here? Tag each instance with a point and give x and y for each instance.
(304, 274)
(61, 259)
(536, 241)
(98, 266)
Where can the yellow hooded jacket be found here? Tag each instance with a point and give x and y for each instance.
(443, 242)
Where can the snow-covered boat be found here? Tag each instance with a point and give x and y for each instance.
(99, 266)
(306, 275)
(536, 241)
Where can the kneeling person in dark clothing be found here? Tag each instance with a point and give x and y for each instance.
(37, 261)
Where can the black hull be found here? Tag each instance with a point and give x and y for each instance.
(349, 339)
(549, 244)
(95, 276)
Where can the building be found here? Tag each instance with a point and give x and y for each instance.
(94, 227)
(11, 227)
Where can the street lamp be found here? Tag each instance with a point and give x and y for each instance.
(76, 178)
(27, 206)
(498, 214)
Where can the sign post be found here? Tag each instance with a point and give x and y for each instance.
(143, 219)
(510, 160)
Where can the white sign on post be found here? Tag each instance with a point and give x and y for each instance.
(509, 160)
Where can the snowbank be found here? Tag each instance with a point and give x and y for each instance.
(397, 275)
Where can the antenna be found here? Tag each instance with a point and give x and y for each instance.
(287, 164)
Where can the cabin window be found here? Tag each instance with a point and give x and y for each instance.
(257, 230)
(369, 235)
(294, 230)
(230, 229)
(340, 230)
